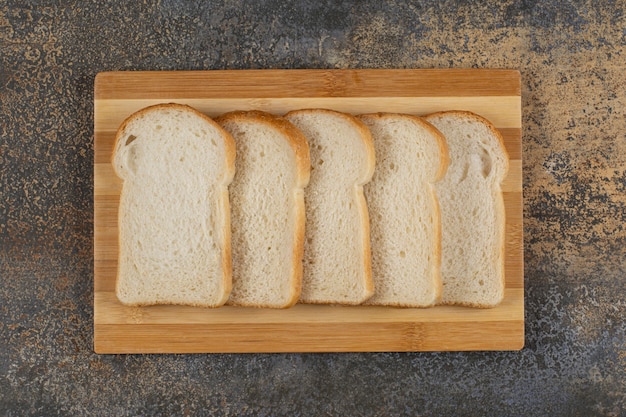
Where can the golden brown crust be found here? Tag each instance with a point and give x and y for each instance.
(367, 244)
(360, 126)
(229, 150)
(441, 140)
(229, 142)
(296, 139)
(468, 304)
(227, 260)
(438, 247)
(470, 115)
(300, 146)
(299, 234)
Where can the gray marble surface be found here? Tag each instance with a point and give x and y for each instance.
(572, 58)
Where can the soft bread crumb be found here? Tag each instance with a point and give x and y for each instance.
(472, 210)
(411, 155)
(337, 259)
(267, 209)
(174, 231)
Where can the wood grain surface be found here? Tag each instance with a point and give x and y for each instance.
(494, 94)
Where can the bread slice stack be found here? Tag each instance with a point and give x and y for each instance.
(323, 207)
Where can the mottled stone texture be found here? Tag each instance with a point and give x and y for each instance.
(572, 58)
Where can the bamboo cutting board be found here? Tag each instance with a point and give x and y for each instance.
(494, 94)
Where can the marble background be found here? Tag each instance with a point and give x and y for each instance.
(572, 58)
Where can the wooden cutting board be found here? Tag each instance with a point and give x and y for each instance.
(494, 94)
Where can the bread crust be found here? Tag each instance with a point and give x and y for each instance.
(368, 141)
(467, 115)
(300, 146)
(229, 172)
(464, 114)
(296, 139)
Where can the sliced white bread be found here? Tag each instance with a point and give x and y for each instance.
(174, 230)
(337, 258)
(472, 209)
(411, 156)
(267, 201)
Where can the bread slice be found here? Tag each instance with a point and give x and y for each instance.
(174, 231)
(411, 156)
(267, 197)
(337, 258)
(472, 207)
